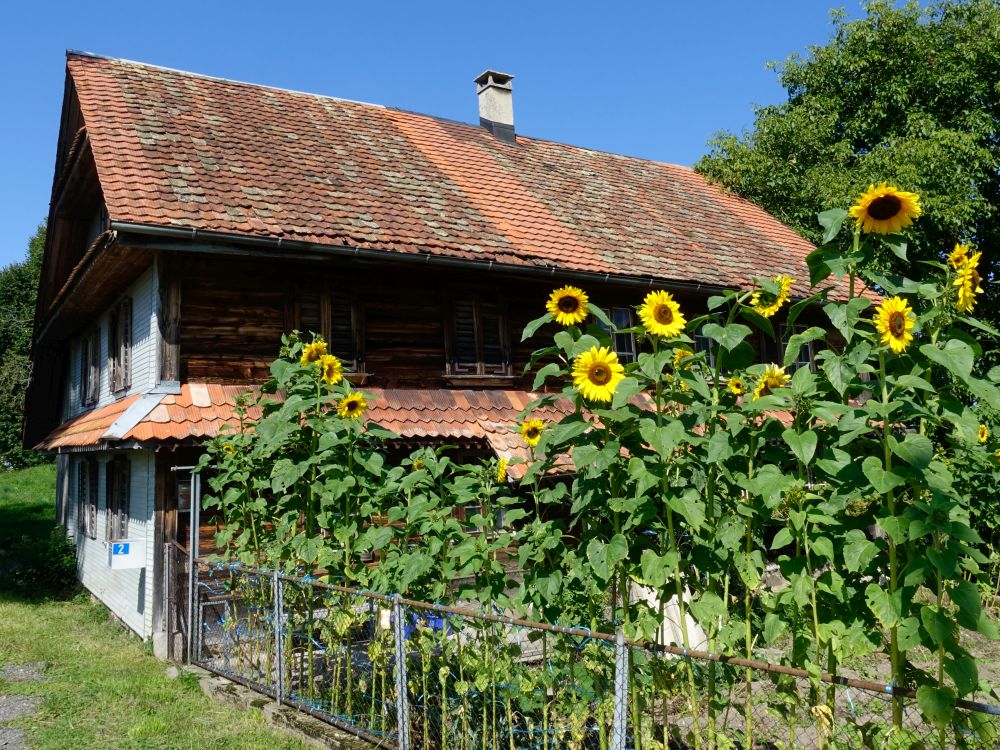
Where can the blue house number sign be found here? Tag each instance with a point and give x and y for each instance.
(127, 553)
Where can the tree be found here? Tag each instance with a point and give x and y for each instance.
(18, 290)
(905, 94)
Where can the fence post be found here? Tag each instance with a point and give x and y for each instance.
(192, 605)
(402, 701)
(277, 591)
(619, 722)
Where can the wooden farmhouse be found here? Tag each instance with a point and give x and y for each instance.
(194, 220)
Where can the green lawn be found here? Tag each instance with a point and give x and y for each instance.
(104, 688)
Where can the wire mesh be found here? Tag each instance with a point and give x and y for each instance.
(474, 678)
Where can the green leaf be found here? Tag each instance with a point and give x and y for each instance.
(729, 337)
(795, 310)
(882, 605)
(617, 550)
(654, 570)
(600, 315)
(963, 671)
(782, 539)
(774, 626)
(551, 370)
(689, 505)
(883, 481)
(955, 356)
(937, 703)
(858, 551)
(803, 444)
(798, 340)
(898, 247)
(965, 596)
(708, 609)
(937, 625)
(532, 328)
(916, 450)
(908, 634)
(831, 220)
(627, 388)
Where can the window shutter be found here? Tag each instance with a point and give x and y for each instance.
(465, 356)
(94, 356)
(123, 474)
(113, 351)
(125, 321)
(342, 333)
(490, 321)
(82, 496)
(110, 500)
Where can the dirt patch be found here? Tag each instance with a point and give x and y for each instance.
(12, 739)
(17, 706)
(24, 672)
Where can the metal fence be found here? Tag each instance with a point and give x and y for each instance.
(407, 674)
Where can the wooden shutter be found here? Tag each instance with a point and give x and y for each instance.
(82, 496)
(123, 474)
(341, 338)
(491, 334)
(117, 497)
(92, 469)
(94, 364)
(125, 339)
(465, 354)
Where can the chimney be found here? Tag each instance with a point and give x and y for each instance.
(496, 104)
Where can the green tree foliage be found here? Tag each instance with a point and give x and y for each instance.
(18, 289)
(905, 94)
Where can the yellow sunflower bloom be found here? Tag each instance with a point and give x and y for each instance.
(767, 304)
(313, 352)
(596, 373)
(568, 305)
(885, 209)
(894, 320)
(736, 386)
(502, 470)
(774, 377)
(968, 283)
(352, 406)
(531, 431)
(228, 449)
(984, 433)
(331, 368)
(661, 315)
(679, 356)
(417, 465)
(958, 256)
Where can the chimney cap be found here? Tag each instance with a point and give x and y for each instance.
(494, 78)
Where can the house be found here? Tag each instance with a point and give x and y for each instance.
(194, 219)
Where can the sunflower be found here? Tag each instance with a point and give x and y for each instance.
(313, 352)
(984, 433)
(352, 406)
(531, 431)
(885, 209)
(736, 386)
(766, 304)
(679, 356)
(331, 369)
(661, 315)
(596, 373)
(958, 256)
(774, 377)
(228, 449)
(894, 320)
(417, 465)
(968, 283)
(502, 470)
(568, 305)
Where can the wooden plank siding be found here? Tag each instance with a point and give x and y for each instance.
(232, 315)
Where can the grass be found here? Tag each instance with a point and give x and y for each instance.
(104, 687)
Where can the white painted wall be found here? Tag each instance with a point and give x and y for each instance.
(144, 293)
(127, 593)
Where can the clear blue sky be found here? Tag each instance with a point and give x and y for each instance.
(650, 79)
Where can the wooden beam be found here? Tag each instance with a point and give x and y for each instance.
(169, 317)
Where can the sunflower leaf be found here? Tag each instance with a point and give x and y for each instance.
(532, 328)
(552, 369)
(831, 220)
(795, 310)
(798, 340)
(898, 247)
(956, 357)
(600, 315)
(729, 336)
(758, 320)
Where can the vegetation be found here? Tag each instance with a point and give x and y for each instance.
(102, 687)
(18, 288)
(691, 471)
(906, 93)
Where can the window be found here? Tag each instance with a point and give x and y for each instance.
(804, 357)
(118, 475)
(705, 344)
(624, 343)
(86, 497)
(478, 343)
(90, 367)
(338, 319)
(120, 347)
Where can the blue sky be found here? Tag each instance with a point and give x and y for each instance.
(651, 79)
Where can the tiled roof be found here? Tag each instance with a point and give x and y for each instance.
(88, 429)
(181, 150)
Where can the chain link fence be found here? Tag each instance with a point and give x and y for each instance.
(408, 674)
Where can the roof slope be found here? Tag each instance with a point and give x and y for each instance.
(183, 150)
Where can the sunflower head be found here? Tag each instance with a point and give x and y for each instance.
(417, 465)
(894, 320)
(313, 352)
(984, 433)
(774, 377)
(331, 369)
(766, 303)
(736, 386)
(596, 373)
(228, 449)
(568, 305)
(502, 470)
(531, 431)
(968, 283)
(352, 406)
(885, 209)
(680, 359)
(958, 256)
(661, 315)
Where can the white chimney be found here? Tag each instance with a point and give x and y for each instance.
(496, 104)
